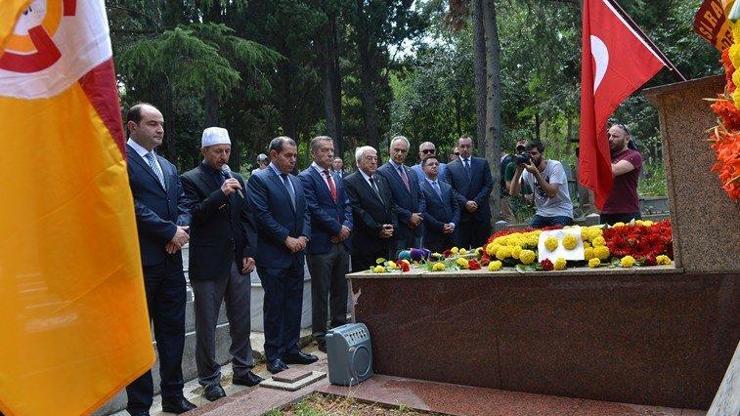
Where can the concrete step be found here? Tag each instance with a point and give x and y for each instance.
(118, 403)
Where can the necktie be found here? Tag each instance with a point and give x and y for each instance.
(150, 159)
(404, 177)
(332, 188)
(466, 164)
(291, 192)
(375, 188)
(436, 188)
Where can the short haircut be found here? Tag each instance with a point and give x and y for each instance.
(624, 128)
(134, 113)
(536, 144)
(433, 145)
(360, 151)
(338, 158)
(401, 138)
(466, 137)
(426, 158)
(316, 142)
(279, 142)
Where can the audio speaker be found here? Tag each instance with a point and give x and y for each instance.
(350, 354)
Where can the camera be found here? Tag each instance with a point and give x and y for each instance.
(522, 158)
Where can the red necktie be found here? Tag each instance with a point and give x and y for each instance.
(332, 188)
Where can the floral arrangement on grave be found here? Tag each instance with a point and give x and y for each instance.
(639, 243)
(724, 138)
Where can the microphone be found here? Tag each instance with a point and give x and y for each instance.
(227, 171)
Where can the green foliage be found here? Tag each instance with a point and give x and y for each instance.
(653, 180)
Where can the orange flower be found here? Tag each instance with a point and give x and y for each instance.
(728, 113)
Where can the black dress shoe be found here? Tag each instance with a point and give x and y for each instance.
(213, 392)
(300, 358)
(276, 366)
(250, 379)
(141, 413)
(177, 406)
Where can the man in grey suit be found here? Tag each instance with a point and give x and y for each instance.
(222, 247)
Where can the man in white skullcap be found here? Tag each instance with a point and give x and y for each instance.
(222, 244)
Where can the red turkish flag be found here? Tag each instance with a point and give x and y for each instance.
(615, 62)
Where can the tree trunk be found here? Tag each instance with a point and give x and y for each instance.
(211, 106)
(493, 100)
(479, 47)
(367, 79)
(287, 102)
(168, 112)
(332, 79)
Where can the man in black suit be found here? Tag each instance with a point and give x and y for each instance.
(373, 212)
(442, 213)
(471, 178)
(283, 229)
(222, 245)
(162, 220)
(328, 250)
(409, 201)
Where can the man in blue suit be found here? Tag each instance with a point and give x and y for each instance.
(443, 212)
(162, 221)
(471, 179)
(409, 201)
(429, 149)
(328, 250)
(283, 229)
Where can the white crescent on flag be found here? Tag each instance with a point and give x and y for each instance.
(601, 58)
(53, 44)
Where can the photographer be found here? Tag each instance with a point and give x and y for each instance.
(550, 185)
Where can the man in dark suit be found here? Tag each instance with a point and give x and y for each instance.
(283, 229)
(443, 212)
(328, 250)
(162, 219)
(373, 212)
(221, 259)
(404, 186)
(471, 179)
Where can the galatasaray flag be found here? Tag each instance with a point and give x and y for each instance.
(615, 62)
(74, 318)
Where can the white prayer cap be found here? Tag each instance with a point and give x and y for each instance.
(214, 135)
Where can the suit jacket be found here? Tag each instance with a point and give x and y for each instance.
(276, 219)
(369, 212)
(406, 201)
(478, 188)
(327, 216)
(222, 228)
(441, 172)
(440, 211)
(158, 210)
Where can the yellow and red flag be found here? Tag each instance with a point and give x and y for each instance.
(74, 318)
(711, 22)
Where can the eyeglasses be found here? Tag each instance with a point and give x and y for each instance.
(425, 151)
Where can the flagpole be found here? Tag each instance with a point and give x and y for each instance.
(647, 40)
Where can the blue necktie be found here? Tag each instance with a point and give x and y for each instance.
(291, 192)
(466, 164)
(150, 158)
(435, 186)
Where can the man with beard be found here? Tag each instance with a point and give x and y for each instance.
(623, 204)
(222, 248)
(549, 182)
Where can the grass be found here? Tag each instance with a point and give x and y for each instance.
(328, 405)
(652, 180)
